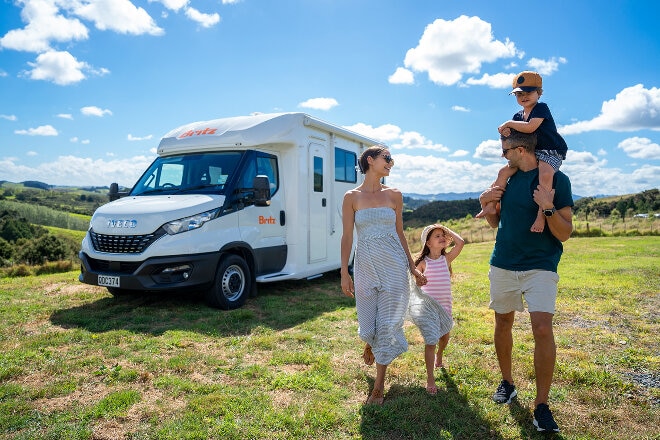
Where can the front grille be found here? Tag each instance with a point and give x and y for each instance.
(123, 244)
(115, 267)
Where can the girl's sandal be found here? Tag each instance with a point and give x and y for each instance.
(376, 397)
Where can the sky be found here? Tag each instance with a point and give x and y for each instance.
(88, 87)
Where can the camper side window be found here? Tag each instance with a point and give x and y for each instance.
(345, 163)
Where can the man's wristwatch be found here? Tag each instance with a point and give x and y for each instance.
(549, 212)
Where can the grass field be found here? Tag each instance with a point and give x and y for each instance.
(76, 363)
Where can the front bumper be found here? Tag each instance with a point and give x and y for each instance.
(154, 274)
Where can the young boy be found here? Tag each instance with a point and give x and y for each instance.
(535, 117)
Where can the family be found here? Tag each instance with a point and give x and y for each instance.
(390, 285)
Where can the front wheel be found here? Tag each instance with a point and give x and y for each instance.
(232, 284)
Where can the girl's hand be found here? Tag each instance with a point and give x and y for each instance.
(420, 278)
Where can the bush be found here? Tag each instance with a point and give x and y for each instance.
(46, 248)
(20, 270)
(54, 267)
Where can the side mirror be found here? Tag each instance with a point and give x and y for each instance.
(261, 186)
(113, 192)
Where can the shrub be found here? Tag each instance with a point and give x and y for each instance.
(20, 270)
(54, 267)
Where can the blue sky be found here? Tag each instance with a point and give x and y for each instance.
(88, 87)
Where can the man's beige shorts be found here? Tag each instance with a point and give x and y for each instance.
(507, 289)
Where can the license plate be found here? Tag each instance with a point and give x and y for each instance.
(108, 281)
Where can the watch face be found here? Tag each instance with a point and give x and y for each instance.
(549, 212)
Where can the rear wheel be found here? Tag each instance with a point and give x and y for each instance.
(232, 284)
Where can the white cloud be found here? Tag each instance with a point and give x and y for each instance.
(117, 15)
(74, 139)
(9, 117)
(136, 138)
(65, 116)
(496, 81)
(640, 148)
(546, 67)
(44, 24)
(59, 67)
(32, 153)
(205, 20)
(450, 49)
(634, 108)
(174, 5)
(401, 76)
(230, 2)
(460, 108)
(95, 111)
(72, 170)
(490, 150)
(319, 103)
(43, 130)
(384, 133)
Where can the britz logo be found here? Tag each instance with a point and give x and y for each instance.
(266, 220)
(191, 133)
(122, 223)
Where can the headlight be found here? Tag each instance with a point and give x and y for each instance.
(189, 223)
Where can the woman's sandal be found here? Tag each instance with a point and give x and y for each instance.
(368, 355)
(376, 397)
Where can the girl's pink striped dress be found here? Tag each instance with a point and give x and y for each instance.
(439, 281)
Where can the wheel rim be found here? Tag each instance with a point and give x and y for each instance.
(233, 283)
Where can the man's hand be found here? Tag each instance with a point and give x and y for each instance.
(493, 194)
(544, 197)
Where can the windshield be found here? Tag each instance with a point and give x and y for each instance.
(199, 173)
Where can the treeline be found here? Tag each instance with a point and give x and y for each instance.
(42, 215)
(646, 202)
(22, 242)
(72, 200)
(440, 211)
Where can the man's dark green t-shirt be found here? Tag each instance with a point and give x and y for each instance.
(516, 247)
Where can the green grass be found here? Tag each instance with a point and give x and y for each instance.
(76, 363)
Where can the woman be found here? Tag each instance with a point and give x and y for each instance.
(382, 265)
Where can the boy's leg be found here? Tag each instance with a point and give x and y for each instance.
(546, 173)
(501, 181)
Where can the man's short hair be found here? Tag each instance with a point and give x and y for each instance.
(520, 139)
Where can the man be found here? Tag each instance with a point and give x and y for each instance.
(524, 265)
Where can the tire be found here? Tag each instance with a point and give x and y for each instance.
(232, 284)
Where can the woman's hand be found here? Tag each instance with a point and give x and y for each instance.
(347, 286)
(420, 278)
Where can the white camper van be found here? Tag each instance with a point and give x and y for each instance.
(228, 203)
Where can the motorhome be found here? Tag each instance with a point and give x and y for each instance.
(227, 204)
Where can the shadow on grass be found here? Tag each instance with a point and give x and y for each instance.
(277, 306)
(523, 417)
(410, 413)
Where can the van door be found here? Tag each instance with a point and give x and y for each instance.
(318, 203)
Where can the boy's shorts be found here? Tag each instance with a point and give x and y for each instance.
(552, 157)
(507, 289)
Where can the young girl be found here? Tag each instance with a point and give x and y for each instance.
(434, 261)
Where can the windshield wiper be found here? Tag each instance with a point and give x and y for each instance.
(196, 187)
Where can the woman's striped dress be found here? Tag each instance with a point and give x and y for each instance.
(383, 287)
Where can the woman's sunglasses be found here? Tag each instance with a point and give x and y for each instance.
(387, 158)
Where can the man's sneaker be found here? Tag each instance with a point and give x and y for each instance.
(543, 419)
(505, 392)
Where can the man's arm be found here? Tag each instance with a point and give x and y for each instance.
(492, 194)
